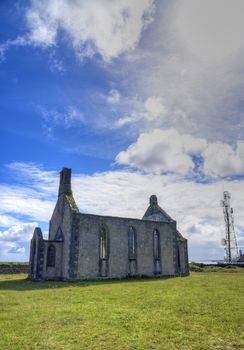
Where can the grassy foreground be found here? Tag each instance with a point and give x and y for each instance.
(200, 312)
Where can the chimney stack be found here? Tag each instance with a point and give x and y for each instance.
(65, 181)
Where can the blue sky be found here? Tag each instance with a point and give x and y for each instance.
(137, 97)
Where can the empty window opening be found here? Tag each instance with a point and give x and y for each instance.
(103, 243)
(156, 245)
(132, 243)
(51, 256)
(178, 257)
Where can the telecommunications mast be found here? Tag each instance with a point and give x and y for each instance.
(229, 242)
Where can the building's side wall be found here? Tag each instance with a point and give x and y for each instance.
(183, 257)
(63, 218)
(89, 228)
(168, 253)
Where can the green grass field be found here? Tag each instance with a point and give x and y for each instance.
(203, 311)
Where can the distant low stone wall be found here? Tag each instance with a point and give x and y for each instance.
(13, 268)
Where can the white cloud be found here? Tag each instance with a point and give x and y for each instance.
(20, 250)
(42, 22)
(105, 27)
(201, 90)
(211, 30)
(149, 112)
(21, 200)
(15, 241)
(154, 108)
(222, 160)
(18, 233)
(161, 151)
(8, 220)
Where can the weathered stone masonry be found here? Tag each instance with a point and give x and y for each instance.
(86, 246)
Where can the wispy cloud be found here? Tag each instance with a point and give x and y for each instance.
(113, 96)
(32, 196)
(19, 41)
(67, 118)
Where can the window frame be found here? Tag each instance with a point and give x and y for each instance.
(51, 256)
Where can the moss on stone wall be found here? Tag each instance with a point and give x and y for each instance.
(180, 239)
(69, 196)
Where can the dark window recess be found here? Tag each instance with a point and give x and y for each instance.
(178, 258)
(51, 256)
(131, 244)
(156, 245)
(103, 243)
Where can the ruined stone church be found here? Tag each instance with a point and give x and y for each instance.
(86, 246)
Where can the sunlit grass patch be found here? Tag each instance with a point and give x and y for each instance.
(202, 311)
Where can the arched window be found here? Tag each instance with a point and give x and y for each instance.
(51, 256)
(131, 243)
(156, 245)
(103, 243)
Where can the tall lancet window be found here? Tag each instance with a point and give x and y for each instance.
(131, 244)
(104, 252)
(178, 258)
(103, 243)
(156, 245)
(51, 256)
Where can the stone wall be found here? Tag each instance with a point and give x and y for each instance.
(62, 219)
(89, 262)
(183, 257)
(53, 272)
(13, 268)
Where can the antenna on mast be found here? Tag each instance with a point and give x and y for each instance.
(229, 242)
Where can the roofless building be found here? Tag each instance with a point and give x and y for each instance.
(85, 246)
